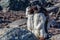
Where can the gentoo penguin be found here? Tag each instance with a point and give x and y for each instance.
(29, 15)
(39, 21)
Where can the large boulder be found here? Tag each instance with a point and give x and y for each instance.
(18, 34)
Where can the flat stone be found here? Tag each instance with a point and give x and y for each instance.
(17, 23)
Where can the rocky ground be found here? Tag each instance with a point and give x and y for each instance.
(9, 17)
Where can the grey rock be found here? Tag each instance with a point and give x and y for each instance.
(17, 23)
(18, 34)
